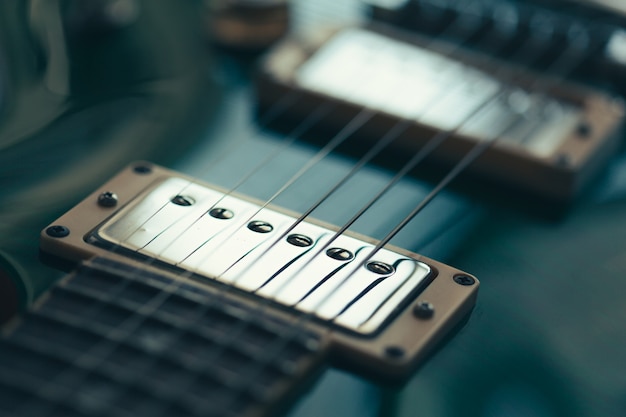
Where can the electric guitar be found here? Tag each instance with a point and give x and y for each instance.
(532, 344)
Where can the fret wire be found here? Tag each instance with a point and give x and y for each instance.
(75, 371)
(127, 330)
(105, 348)
(114, 373)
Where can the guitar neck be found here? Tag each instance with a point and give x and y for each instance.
(117, 341)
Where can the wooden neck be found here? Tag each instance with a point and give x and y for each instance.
(112, 340)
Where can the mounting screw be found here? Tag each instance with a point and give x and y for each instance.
(394, 352)
(107, 199)
(142, 169)
(57, 231)
(464, 280)
(424, 310)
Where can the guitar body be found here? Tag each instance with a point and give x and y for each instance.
(548, 333)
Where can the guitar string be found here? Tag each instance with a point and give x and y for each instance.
(287, 141)
(563, 64)
(566, 65)
(319, 156)
(268, 115)
(471, 156)
(444, 50)
(40, 392)
(277, 193)
(361, 118)
(324, 151)
(426, 149)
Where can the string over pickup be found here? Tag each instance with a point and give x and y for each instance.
(280, 265)
(265, 252)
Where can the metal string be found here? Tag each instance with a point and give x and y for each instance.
(479, 149)
(157, 306)
(165, 293)
(564, 62)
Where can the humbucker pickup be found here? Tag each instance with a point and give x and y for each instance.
(370, 302)
(548, 136)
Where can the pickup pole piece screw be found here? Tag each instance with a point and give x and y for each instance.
(221, 213)
(182, 200)
(260, 226)
(299, 240)
(57, 231)
(107, 199)
(339, 254)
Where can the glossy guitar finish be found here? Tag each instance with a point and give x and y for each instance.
(548, 334)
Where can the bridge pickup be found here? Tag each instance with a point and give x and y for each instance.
(550, 137)
(199, 235)
(226, 238)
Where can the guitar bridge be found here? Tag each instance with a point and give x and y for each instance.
(368, 299)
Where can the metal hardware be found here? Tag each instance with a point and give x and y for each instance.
(57, 231)
(339, 254)
(394, 352)
(183, 200)
(424, 310)
(221, 213)
(380, 268)
(299, 240)
(260, 226)
(465, 280)
(142, 169)
(107, 199)
(333, 285)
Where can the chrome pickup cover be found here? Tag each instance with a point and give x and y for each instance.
(258, 249)
(416, 83)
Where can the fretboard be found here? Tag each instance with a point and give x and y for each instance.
(110, 340)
